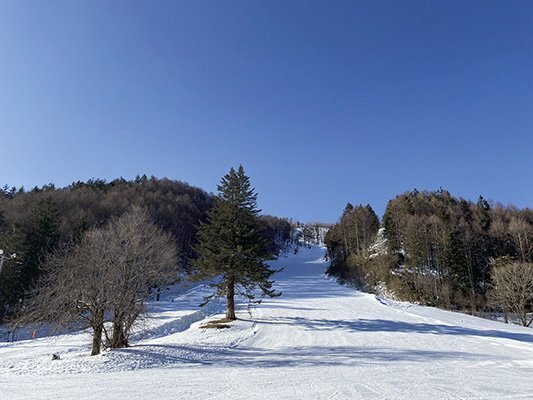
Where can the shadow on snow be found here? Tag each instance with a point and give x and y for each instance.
(379, 325)
(151, 356)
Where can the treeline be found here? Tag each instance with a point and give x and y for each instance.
(349, 243)
(311, 233)
(37, 223)
(278, 232)
(434, 248)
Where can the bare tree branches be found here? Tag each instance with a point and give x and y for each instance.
(143, 257)
(514, 288)
(107, 275)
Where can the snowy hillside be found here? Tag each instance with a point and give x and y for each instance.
(318, 340)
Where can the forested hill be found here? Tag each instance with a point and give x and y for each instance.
(36, 223)
(435, 248)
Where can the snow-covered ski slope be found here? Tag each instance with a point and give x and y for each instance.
(319, 340)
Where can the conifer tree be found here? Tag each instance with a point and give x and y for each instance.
(231, 249)
(41, 238)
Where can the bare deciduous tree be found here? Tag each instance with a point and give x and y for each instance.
(108, 274)
(522, 233)
(514, 288)
(74, 289)
(143, 258)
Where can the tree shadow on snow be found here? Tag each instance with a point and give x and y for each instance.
(151, 356)
(312, 287)
(379, 325)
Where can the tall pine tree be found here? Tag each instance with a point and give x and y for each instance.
(231, 249)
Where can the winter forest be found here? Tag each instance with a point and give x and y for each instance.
(40, 225)
(103, 260)
(428, 247)
(248, 200)
(439, 250)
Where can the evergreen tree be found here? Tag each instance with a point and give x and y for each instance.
(231, 248)
(41, 239)
(9, 291)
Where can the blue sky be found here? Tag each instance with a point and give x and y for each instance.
(322, 102)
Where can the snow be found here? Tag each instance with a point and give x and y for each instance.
(319, 340)
(379, 246)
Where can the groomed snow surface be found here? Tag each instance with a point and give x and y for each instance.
(319, 340)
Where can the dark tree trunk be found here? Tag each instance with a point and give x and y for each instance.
(472, 290)
(97, 333)
(119, 339)
(230, 308)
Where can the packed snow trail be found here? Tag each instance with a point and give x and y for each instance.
(319, 340)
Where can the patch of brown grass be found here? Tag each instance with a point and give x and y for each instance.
(217, 324)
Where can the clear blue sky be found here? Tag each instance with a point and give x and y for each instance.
(322, 102)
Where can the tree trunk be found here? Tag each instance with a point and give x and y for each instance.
(521, 246)
(470, 267)
(346, 248)
(230, 308)
(98, 326)
(119, 339)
